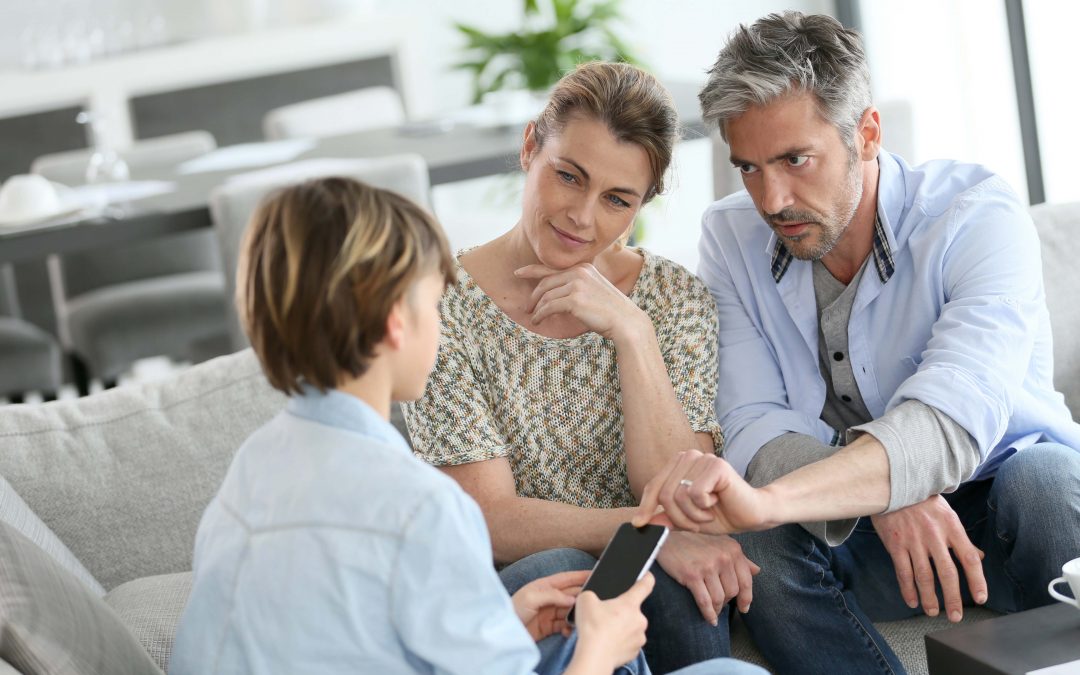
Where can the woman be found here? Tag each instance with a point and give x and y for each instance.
(571, 366)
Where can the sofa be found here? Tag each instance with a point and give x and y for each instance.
(100, 498)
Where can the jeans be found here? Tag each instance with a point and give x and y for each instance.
(677, 635)
(813, 605)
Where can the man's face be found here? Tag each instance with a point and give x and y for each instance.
(805, 181)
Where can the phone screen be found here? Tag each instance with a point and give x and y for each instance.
(626, 558)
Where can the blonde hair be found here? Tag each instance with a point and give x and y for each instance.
(633, 105)
(321, 266)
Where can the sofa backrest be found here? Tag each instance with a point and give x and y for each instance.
(122, 477)
(1059, 233)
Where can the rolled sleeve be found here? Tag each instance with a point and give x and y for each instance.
(981, 345)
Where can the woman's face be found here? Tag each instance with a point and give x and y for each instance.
(583, 189)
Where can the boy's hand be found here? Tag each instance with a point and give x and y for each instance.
(612, 632)
(542, 604)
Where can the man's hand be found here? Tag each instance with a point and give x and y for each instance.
(703, 493)
(542, 604)
(924, 532)
(713, 569)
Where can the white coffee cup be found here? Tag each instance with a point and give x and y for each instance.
(26, 197)
(1071, 574)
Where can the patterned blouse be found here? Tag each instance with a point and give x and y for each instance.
(553, 406)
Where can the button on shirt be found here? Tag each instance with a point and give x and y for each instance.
(954, 317)
(330, 548)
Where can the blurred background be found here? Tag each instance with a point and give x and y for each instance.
(977, 80)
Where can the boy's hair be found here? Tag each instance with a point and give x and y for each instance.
(321, 266)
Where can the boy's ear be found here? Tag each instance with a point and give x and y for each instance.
(395, 326)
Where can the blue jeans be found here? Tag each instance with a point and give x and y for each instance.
(557, 651)
(677, 635)
(813, 605)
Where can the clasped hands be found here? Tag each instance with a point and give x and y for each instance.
(703, 493)
(584, 293)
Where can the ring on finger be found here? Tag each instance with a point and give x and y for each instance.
(686, 482)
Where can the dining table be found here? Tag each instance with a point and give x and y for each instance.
(453, 149)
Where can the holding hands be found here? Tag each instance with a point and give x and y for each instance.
(703, 493)
(582, 292)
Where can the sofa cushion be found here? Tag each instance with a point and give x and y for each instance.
(15, 512)
(1059, 226)
(151, 607)
(122, 477)
(51, 623)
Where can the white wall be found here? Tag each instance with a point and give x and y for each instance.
(677, 39)
(950, 59)
(1051, 29)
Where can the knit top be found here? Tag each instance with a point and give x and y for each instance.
(552, 406)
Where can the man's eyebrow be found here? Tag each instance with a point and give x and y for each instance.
(583, 172)
(791, 152)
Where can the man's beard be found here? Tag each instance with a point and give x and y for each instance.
(831, 225)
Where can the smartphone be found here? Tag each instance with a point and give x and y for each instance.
(626, 558)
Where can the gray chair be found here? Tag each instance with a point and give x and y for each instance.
(29, 357)
(1058, 226)
(162, 297)
(232, 204)
(368, 108)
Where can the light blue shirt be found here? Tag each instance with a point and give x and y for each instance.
(959, 322)
(330, 548)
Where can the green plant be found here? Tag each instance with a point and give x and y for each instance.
(537, 56)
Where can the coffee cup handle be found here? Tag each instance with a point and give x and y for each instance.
(1063, 598)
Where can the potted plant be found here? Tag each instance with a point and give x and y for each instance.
(535, 57)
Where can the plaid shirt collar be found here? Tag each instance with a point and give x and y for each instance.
(883, 258)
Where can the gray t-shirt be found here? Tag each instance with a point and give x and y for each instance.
(928, 452)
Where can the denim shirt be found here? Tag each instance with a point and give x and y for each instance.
(330, 548)
(959, 322)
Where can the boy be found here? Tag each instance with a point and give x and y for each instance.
(329, 547)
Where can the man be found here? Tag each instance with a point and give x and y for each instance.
(885, 352)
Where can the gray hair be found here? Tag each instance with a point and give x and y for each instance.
(790, 53)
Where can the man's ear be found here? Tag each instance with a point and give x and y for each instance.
(395, 326)
(868, 135)
(528, 146)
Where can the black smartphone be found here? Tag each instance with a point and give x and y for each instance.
(626, 558)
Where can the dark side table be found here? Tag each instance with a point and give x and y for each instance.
(1011, 644)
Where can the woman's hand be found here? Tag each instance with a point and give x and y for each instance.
(703, 493)
(542, 604)
(610, 632)
(582, 292)
(713, 568)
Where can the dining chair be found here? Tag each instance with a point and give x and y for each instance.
(29, 356)
(69, 168)
(160, 297)
(368, 108)
(232, 203)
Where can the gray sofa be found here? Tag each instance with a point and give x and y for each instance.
(111, 488)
